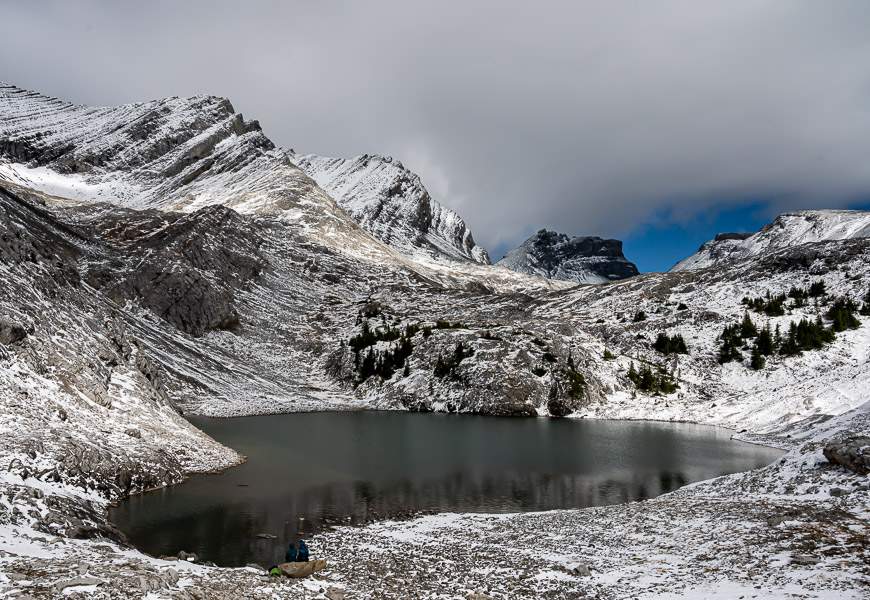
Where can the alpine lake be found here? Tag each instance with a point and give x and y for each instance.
(313, 470)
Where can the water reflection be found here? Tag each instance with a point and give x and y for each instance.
(356, 467)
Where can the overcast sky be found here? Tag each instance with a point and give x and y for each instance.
(585, 117)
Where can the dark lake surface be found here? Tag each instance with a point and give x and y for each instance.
(339, 468)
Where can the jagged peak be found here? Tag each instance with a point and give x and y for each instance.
(391, 202)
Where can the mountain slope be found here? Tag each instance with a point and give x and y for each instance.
(178, 154)
(581, 259)
(390, 202)
(789, 229)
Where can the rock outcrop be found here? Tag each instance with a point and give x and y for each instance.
(852, 453)
(582, 259)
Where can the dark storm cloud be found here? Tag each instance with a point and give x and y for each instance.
(586, 117)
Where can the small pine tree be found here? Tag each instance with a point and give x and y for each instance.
(747, 327)
(608, 355)
(639, 316)
(632, 373)
(764, 342)
(729, 351)
(817, 288)
(757, 360)
(842, 315)
(789, 345)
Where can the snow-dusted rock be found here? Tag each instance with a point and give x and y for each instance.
(11, 332)
(390, 202)
(582, 259)
(788, 229)
(851, 453)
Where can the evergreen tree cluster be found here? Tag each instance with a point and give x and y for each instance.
(670, 344)
(576, 381)
(842, 315)
(385, 363)
(653, 382)
(772, 306)
(446, 367)
(734, 337)
(802, 336)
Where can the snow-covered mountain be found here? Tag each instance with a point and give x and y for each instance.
(164, 257)
(390, 202)
(788, 229)
(582, 259)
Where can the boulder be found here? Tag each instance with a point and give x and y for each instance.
(852, 453)
(297, 570)
(11, 332)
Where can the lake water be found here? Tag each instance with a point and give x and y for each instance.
(352, 467)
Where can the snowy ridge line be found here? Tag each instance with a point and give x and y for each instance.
(391, 203)
(787, 230)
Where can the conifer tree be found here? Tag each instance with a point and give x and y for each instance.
(764, 341)
(747, 327)
(757, 360)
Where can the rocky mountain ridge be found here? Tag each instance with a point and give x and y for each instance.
(390, 202)
(555, 255)
(788, 229)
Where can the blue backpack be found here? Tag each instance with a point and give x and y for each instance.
(290, 556)
(303, 552)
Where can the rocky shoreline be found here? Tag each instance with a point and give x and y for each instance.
(797, 528)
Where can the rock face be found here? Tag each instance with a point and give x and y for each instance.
(787, 230)
(852, 453)
(391, 203)
(11, 332)
(187, 266)
(582, 259)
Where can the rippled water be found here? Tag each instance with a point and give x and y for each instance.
(357, 466)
